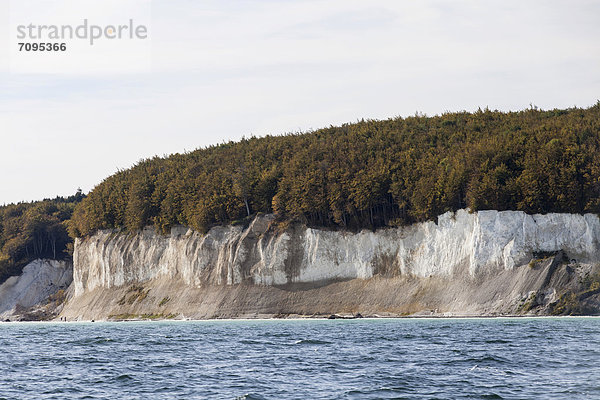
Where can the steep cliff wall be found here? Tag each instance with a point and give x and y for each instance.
(30, 295)
(466, 263)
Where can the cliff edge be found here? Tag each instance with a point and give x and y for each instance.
(484, 263)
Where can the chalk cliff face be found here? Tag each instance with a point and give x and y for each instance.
(39, 281)
(462, 250)
(480, 243)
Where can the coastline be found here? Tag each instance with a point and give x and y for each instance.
(300, 319)
(486, 264)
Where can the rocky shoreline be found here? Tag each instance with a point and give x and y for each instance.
(466, 265)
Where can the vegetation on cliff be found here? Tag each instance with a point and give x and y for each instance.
(366, 174)
(34, 230)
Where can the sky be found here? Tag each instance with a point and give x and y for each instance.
(214, 71)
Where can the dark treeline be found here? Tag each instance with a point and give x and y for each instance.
(34, 230)
(367, 174)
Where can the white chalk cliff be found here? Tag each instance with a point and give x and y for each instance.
(255, 270)
(39, 280)
(480, 243)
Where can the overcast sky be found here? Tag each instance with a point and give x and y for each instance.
(219, 71)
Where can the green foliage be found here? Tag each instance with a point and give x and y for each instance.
(34, 230)
(567, 304)
(164, 301)
(137, 294)
(528, 303)
(367, 174)
(591, 284)
(129, 316)
(573, 303)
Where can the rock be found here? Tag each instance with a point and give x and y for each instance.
(463, 263)
(336, 316)
(483, 242)
(39, 280)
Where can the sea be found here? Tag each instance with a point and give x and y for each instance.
(480, 358)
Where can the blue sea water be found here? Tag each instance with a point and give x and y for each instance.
(504, 358)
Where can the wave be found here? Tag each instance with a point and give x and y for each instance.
(311, 341)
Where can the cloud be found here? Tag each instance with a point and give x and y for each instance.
(221, 70)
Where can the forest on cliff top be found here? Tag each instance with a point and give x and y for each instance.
(367, 174)
(35, 230)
